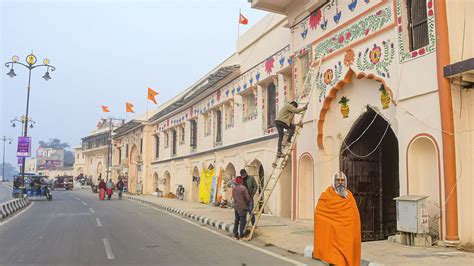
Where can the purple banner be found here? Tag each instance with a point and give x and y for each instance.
(20, 160)
(24, 147)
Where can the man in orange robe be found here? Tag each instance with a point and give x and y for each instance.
(337, 237)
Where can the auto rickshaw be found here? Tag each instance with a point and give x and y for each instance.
(32, 186)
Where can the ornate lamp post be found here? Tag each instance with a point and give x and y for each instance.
(30, 65)
(23, 120)
(3, 163)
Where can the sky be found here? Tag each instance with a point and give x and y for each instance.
(107, 52)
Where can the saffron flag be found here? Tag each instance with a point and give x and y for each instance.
(105, 109)
(129, 107)
(151, 95)
(243, 20)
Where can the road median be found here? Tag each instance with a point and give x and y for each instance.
(8, 208)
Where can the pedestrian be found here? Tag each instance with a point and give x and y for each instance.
(110, 188)
(120, 186)
(337, 232)
(102, 188)
(284, 120)
(241, 198)
(251, 185)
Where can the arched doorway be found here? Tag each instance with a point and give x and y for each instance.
(155, 181)
(424, 178)
(229, 175)
(132, 170)
(166, 183)
(80, 171)
(195, 185)
(305, 188)
(369, 158)
(256, 169)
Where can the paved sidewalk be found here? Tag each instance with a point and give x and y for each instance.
(294, 236)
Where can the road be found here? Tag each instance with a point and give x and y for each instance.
(76, 229)
(5, 192)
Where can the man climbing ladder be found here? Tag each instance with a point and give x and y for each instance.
(284, 120)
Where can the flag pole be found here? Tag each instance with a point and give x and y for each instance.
(238, 25)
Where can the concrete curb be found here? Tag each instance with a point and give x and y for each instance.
(221, 225)
(9, 207)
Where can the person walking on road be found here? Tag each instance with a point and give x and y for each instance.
(284, 120)
(241, 197)
(102, 188)
(120, 186)
(251, 185)
(110, 188)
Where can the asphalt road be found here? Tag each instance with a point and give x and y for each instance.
(78, 229)
(5, 192)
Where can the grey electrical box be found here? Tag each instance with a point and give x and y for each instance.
(412, 214)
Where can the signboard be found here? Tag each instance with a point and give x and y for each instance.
(24, 147)
(20, 160)
(48, 164)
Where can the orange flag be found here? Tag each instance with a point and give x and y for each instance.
(105, 109)
(151, 95)
(129, 107)
(243, 20)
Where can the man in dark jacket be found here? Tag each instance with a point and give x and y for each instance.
(284, 120)
(120, 186)
(241, 198)
(251, 185)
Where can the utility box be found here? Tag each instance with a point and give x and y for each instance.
(412, 214)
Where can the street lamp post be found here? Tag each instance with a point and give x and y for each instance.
(3, 163)
(31, 61)
(23, 120)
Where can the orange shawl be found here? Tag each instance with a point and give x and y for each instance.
(337, 236)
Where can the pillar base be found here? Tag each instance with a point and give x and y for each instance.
(451, 243)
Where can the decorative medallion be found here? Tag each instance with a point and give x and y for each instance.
(377, 58)
(328, 79)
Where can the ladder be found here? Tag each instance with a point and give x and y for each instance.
(279, 163)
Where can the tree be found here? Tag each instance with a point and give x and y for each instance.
(68, 158)
(54, 144)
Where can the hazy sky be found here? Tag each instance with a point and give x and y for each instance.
(107, 52)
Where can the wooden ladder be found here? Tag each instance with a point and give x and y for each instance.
(279, 163)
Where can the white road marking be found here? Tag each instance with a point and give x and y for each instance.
(16, 214)
(108, 249)
(85, 204)
(91, 210)
(99, 224)
(78, 198)
(295, 262)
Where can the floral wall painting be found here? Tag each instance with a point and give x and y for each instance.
(378, 58)
(269, 65)
(349, 57)
(328, 79)
(331, 15)
(354, 32)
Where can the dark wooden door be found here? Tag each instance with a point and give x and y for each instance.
(364, 181)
